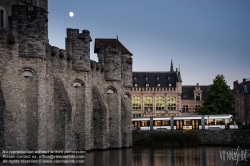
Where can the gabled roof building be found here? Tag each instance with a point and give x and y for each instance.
(162, 94)
(242, 99)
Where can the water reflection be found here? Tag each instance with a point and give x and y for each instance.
(200, 156)
(137, 156)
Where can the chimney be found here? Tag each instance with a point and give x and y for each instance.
(176, 70)
(197, 84)
(244, 79)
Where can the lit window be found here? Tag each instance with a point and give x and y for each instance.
(148, 103)
(136, 103)
(185, 108)
(171, 101)
(159, 103)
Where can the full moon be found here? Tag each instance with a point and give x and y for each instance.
(71, 14)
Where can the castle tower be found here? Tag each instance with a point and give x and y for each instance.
(24, 24)
(115, 59)
(78, 48)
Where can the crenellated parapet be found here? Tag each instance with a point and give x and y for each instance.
(30, 26)
(97, 66)
(173, 89)
(78, 49)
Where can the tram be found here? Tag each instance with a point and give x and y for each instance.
(199, 122)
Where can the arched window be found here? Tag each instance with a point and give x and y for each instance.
(171, 101)
(1, 18)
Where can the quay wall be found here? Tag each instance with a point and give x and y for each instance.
(205, 137)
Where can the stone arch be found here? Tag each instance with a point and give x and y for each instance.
(113, 103)
(79, 113)
(126, 125)
(27, 72)
(62, 116)
(2, 113)
(29, 105)
(111, 90)
(2, 17)
(127, 95)
(100, 125)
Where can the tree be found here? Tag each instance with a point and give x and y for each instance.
(219, 98)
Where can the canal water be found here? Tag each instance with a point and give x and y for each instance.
(198, 156)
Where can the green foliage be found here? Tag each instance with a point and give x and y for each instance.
(219, 99)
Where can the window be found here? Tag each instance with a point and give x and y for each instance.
(135, 85)
(148, 103)
(1, 18)
(136, 103)
(147, 85)
(187, 122)
(159, 103)
(185, 108)
(248, 113)
(198, 97)
(197, 107)
(184, 93)
(136, 115)
(171, 102)
(248, 102)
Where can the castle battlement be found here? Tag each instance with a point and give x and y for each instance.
(59, 99)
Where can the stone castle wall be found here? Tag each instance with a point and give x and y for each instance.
(52, 98)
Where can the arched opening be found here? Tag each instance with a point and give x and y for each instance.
(30, 107)
(79, 113)
(126, 126)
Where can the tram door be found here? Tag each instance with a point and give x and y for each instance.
(195, 124)
(178, 124)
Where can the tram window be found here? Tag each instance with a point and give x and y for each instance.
(157, 123)
(187, 122)
(219, 122)
(209, 121)
(144, 123)
(165, 123)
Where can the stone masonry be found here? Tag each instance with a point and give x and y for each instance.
(55, 99)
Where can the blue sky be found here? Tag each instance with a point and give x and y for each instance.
(206, 38)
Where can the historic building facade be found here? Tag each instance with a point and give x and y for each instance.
(242, 99)
(162, 94)
(56, 99)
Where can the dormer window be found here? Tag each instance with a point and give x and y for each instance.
(198, 97)
(169, 79)
(158, 85)
(169, 85)
(184, 93)
(147, 85)
(135, 85)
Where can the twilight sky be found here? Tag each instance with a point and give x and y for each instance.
(206, 37)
